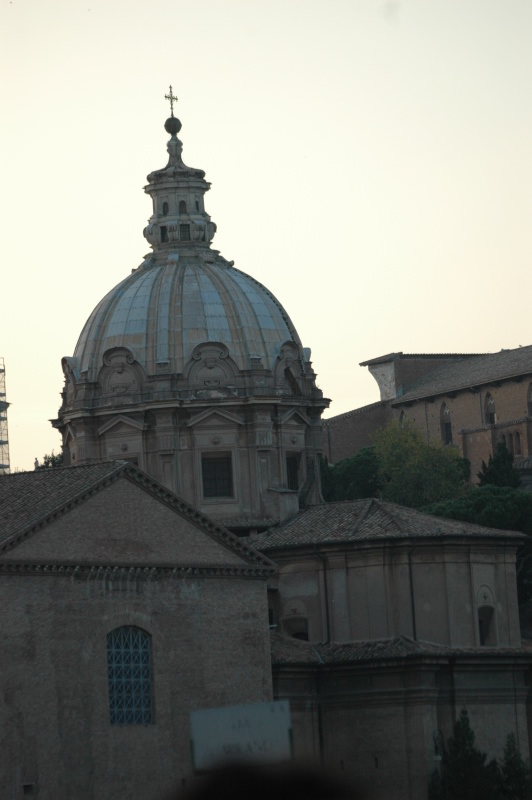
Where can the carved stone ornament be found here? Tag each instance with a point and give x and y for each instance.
(70, 384)
(119, 376)
(211, 367)
(288, 368)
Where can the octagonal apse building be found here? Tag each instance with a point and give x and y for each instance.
(193, 370)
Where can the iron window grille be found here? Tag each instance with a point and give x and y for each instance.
(129, 676)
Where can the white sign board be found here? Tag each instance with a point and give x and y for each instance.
(253, 732)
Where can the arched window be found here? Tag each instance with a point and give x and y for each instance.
(446, 429)
(529, 401)
(165, 208)
(489, 407)
(182, 207)
(486, 626)
(129, 676)
(487, 632)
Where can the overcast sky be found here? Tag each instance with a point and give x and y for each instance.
(370, 161)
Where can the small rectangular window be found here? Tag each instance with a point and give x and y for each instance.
(184, 233)
(164, 233)
(292, 472)
(217, 472)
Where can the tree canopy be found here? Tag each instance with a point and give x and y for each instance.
(493, 506)
(49, 461)
(414, 473)
(499, 470)
(466, 773)
(400, 467)
(353, 478)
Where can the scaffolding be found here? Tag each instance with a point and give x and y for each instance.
(4, 405)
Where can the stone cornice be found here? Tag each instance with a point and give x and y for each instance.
(125, 572)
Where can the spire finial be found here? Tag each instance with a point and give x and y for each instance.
(171, 97)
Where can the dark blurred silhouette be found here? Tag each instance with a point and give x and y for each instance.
(250, 781)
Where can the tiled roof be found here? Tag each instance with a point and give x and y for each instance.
(406, 356)
(353, 413)
(286, 650)
(471, 371)
(367, 520)
(26, 498)
(29, 499)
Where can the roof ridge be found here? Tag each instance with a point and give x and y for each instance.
(236, 543)
(365, 513)
(115, 468)
(388, 509)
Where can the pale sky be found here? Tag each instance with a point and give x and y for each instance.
(370, 161)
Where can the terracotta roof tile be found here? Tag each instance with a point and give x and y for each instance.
(286, 650)
(471, 371)
(28, 499)
(366, 520)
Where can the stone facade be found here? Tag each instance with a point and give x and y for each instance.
(471, 402)
(378, 712)
(346, 434)
(379, 571)
(386, 622)
(406, 620)
(100, 550)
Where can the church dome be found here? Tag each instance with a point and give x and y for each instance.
(184, 293)
(193, 370)
(169, 306)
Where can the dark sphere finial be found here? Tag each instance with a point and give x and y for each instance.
(172, 125)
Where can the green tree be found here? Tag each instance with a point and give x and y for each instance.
(493, 506)
(465, 773)
(499, 470)
(50, 460)
(414, 473)
(353, 478)
(515, 776)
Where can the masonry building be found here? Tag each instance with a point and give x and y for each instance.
(184, 559)
(470, 401)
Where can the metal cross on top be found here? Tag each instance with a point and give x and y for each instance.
(171, 97)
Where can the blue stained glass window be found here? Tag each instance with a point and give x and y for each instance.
(129, 676)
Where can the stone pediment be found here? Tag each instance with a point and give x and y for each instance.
(121, 419)
(215, 416)
(112, 515)
(296, 416)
